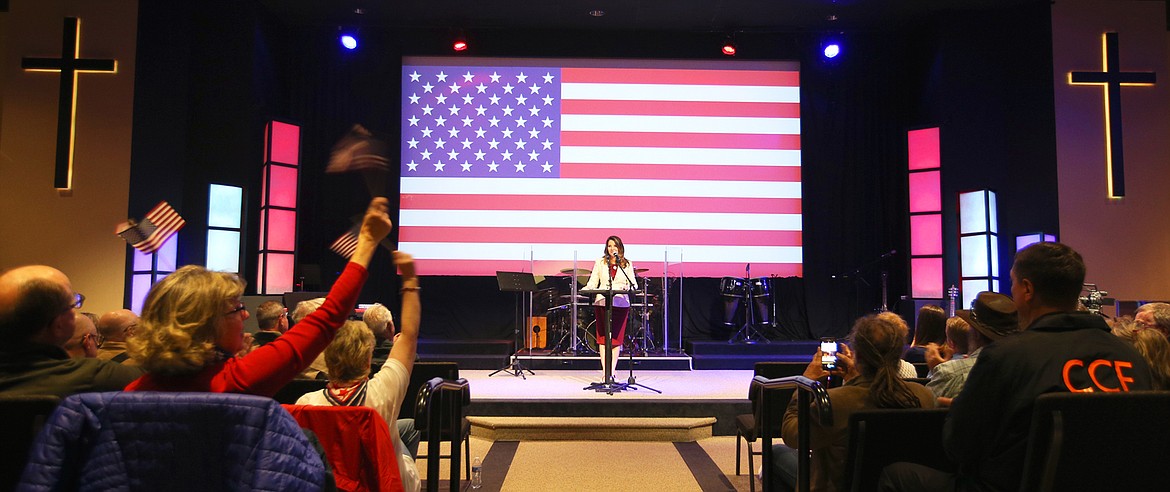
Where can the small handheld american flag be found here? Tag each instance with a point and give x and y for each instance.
(345, 245)
(147, 235)
(362, 152)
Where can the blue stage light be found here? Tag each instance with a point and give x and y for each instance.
(832, 50)
(349, 41)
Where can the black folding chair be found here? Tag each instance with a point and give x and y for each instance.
(880, 437)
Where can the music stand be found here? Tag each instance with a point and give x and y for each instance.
(516, 282)
(608, 385)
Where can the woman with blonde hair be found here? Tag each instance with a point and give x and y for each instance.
(349, 357)
(1153, 346)
(192, 325)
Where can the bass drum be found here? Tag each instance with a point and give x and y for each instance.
(588, 337)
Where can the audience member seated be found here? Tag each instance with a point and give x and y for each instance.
(192, 326)
(316, 369)
(1153, 346)
(929, 328)
(956, 346)
(905, 369)
(381, 322)
(348, 359)
(987, 431)
(992, 317)
(272, 318)
(1154, 315)
(870, 371)
(116, 327)
(37, 317)
(85, 340)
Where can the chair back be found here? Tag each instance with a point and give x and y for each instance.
(778, 398)
(880, 437)
(296, 388)
(439, 410)
(171, 441)
(21, 419)
(1098, 441)
(357, 443)
(811, 394)
(419, 375)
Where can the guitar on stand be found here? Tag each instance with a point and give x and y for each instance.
(952, 294)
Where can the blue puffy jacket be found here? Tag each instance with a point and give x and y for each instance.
(171, 441)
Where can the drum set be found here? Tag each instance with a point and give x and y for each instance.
(755, 296)
(582, 339)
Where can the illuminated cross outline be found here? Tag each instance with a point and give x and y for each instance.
(69, 65)
(1112, 79)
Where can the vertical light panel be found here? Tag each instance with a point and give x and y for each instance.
(278, 208)
(149, 268)
(925, 203)
(978, 243)
(225, 211)
(1029, 239)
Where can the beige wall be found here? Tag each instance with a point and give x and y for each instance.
(37, 224)
(1126, 242)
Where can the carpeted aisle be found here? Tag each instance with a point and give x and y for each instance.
(706, 465)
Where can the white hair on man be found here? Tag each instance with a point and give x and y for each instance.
(380, 321)
(305, 307)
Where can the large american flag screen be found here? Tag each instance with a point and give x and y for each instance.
(524, 165)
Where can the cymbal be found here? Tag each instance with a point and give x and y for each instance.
(640, 270)
(579, 271)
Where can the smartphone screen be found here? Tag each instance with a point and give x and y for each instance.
(829, 354)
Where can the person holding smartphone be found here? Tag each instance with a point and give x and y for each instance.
(868, 365)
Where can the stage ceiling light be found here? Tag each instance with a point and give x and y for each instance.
(349, 41)
(832, 49)
(729, 46)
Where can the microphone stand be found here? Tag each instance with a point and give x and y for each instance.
(859, 279)
(632, 382)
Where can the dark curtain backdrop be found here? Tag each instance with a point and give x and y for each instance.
(855, 113)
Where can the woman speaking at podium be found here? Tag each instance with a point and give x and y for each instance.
(612, 269)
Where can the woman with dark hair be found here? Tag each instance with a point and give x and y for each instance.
(870, 372)
(612, 269)
(192, 326)
(931, 327)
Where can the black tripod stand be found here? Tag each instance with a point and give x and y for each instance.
(519, 283)
(748, 332)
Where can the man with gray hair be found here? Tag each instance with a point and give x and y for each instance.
(37, 311)
(116, 327)
(1154, 315)
(272, 318)
(317, 369)
(381, 322)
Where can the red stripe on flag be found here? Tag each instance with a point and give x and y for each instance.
(488, 268)
(682, 140)
(682, 108)
(420, 234)
(578, 202)
(681, 171)
(681, 76)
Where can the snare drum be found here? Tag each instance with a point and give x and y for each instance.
(731, 287)
(761, 287)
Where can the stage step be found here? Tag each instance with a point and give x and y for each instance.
(591, 428)
(716, 354)
(680, 362)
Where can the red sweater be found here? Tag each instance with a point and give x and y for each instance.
(268, 368)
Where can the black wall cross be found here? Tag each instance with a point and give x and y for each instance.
(69, 65)
(1112, 79)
